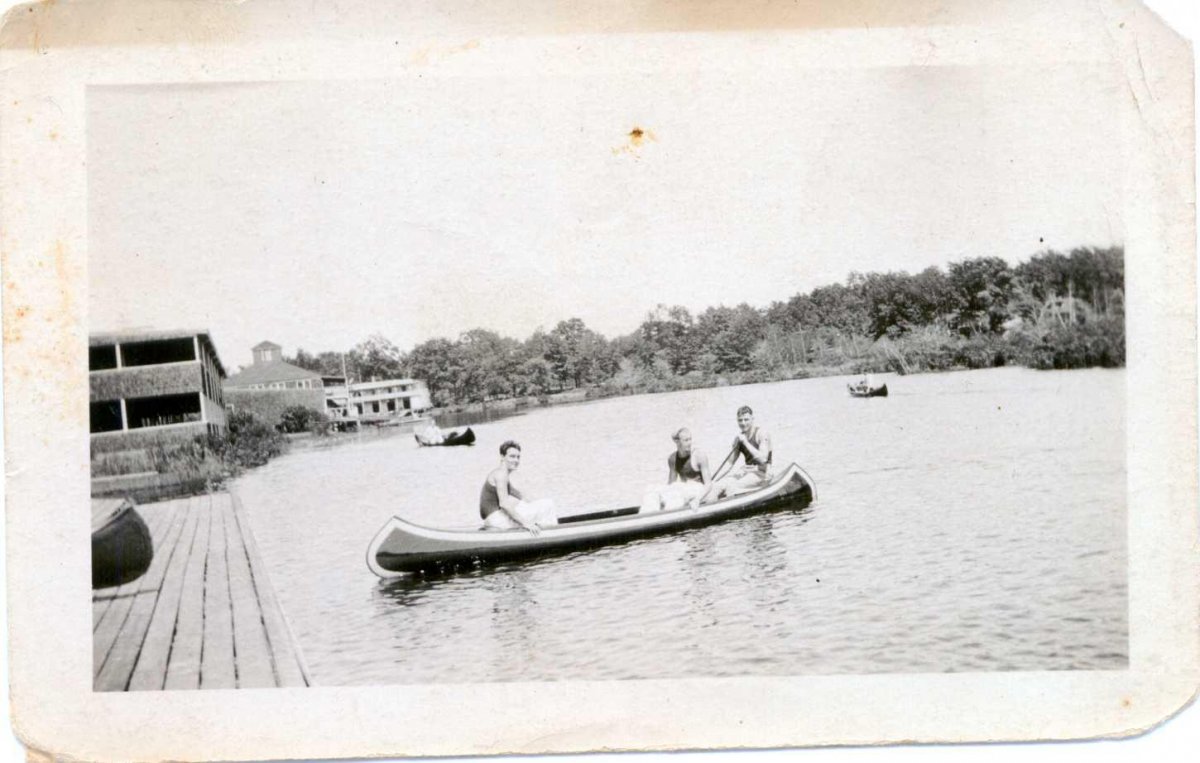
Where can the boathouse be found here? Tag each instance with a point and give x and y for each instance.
(270, 385)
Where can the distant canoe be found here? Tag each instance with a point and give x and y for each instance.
(402, 546)
(121, 545)
(857, 391)
(466, 437)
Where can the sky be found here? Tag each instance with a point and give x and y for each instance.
(316, 213)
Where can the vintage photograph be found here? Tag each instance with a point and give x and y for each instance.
(535, 380)
(558, 378)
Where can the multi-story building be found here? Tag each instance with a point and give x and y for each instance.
(271, 385)
(148, 387)
(379, 401)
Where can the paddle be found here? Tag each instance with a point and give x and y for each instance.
(717, 473)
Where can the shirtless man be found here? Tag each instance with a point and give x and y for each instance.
(501, 504)
(753, 445)
(688, 478)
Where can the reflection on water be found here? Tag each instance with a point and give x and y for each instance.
(971, 521)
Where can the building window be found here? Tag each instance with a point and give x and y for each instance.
(158, 351)
(163, 410)
(106, 416)
(102, 358)
(375, 407)
(391, 406)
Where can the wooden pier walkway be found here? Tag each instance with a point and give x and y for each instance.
(204, 616)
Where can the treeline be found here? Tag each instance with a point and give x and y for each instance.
(1053, 311)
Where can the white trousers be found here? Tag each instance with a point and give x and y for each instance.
(673, 496)
(540, 512)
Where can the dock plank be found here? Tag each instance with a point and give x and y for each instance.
(253, 654)
(103, 599)
(106, 634)
(117, 668)
(114, 611)
(288, 660)
(216, 664)
(183, 666)
(203, 616)
(150, 672)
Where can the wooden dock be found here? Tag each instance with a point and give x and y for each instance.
(204, 616)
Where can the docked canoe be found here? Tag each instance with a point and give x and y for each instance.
(403, 546)
(121, 545)
(856, 391)
(466, 437)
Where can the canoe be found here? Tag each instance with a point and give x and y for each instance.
(121, 545)
(403, 546)
(880, 391)
(466, 437)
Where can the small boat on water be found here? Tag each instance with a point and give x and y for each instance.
(466, 437)
(121, 546)
(402, 546)
(857, 390)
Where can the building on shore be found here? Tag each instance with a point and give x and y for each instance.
(148, 387)
(376, 402)
(271, 385)
(149, 390)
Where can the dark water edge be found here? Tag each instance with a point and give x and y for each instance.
(470, 414)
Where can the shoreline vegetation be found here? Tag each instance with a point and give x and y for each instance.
(1053, 311)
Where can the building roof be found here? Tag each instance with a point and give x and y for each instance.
(384, 383)
(130, 336)
(266, 346)
(266, 373)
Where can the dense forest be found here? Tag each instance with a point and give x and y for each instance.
(1053, 311)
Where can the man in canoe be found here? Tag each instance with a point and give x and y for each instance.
(753, 445)
(432, 434)
(502, 506)
(688, 478)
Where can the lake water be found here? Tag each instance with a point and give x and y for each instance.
(970, 521)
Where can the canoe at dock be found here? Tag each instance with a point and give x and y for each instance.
(466, 437)
(121, 546)
(402, 546)
(857, 391)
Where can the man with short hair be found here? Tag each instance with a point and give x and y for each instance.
(753, 445)
(688, 478)
(503, 507)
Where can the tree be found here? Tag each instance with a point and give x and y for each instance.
(728, 335)
(487, 364)
(437, 364)
(667, 334)
(325, 363)
(984, 286)
(578, 355)
(376, 358)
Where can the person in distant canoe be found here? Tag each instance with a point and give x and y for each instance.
(753, 445)
(432, 434)
(688, 478)
(501, 504)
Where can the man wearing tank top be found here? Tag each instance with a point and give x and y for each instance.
(501, 504)
(753, 446)
(688, 478)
